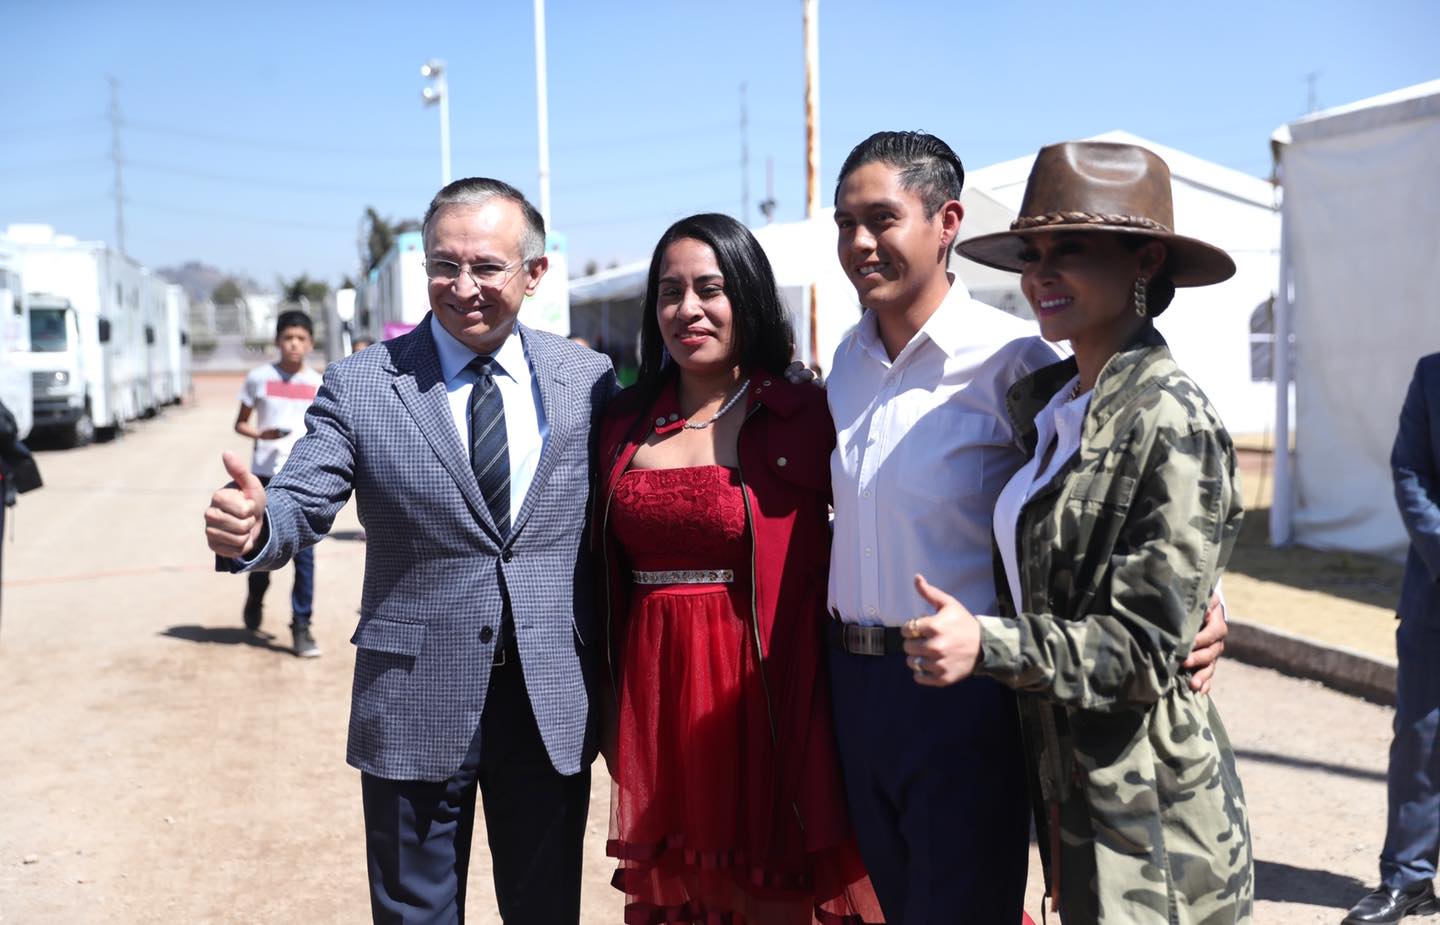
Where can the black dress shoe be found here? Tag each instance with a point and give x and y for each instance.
(1387, 904)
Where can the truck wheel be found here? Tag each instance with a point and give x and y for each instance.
(82, 432)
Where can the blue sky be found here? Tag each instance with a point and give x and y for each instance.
(255, 135)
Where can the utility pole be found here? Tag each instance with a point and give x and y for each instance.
(118, 160)
(1312, 99)
(744, 161)
(542, 111)
(812, 143)
(767, 205)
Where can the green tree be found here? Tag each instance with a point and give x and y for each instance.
(378, 236)
(227, 293)
(303, 288)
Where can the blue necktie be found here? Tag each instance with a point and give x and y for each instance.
(489, 449)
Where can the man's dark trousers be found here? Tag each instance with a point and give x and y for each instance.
(935, 782)
(1412, 833)
(302, 593)
(418, 833)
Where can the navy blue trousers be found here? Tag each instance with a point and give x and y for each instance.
(935, 781)
(1412, 831)
(417, 833)
(302, 593)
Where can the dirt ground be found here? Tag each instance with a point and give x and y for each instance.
(1335, 598)
(157, 765)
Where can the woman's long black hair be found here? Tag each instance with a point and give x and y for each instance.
(764, 338)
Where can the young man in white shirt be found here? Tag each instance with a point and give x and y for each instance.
(273, 402)
(935, 775)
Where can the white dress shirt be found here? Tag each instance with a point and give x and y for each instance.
(525, 427)
(923, 448)
(1057, 438)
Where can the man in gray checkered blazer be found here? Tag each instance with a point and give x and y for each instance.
(467, 443)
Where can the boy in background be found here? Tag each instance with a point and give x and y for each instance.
(273, 402)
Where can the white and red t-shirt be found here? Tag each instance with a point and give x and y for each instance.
(279, 399)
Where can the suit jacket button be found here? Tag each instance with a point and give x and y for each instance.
(486, 634)
(507, 555)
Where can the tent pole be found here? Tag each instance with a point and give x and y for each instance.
(1282, 503)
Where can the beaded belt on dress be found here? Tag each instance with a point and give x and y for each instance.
(685, 576)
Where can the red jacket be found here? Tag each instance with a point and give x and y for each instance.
(785, 446)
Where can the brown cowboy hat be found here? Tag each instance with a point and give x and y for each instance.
(1090, 186)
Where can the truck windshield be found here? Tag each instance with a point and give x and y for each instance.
(47, 330)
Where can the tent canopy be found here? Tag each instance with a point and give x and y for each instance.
(1361, 196)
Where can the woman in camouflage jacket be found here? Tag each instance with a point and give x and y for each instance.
(1109, 542)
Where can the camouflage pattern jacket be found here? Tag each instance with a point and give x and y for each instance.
(1140, 812)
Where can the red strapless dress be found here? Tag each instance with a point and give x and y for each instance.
(703, 829)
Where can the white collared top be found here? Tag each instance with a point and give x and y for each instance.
(1057, 438)
(923, 448)
(525, 426)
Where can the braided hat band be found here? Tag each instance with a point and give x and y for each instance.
(1086, 218)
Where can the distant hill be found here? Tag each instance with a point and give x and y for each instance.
(200, 279)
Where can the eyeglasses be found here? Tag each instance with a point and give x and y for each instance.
(484, 274)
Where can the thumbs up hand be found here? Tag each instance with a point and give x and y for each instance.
(236, 512)
(944, 647)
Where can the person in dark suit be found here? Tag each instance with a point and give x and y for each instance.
(1412, 826)
(468, 443)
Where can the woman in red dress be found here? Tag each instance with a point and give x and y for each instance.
(712, 522)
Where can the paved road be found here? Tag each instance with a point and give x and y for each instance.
(158, 766)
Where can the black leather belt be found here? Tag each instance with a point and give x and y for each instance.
(865, 640)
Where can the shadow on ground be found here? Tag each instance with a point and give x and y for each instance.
(1281, 883)
(1353, 576)
(225, 636)
(1309, 764)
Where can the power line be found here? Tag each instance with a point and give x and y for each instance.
(242, 219)
(83, 123)
(64, 163)
(589, 144)
(301, 186)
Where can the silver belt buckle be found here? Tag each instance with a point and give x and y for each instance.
(864, 640)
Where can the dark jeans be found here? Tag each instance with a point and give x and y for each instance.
(302, 593)
(935, 782)
(1412, 830)
(417, 833)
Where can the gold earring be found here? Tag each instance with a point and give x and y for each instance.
(1140, 286)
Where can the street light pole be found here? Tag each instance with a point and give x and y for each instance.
(542, 111)
(811, 18)
(439, 93)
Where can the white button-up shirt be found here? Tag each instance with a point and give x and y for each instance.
(1057, 438)
(923, 448)
(525, 426)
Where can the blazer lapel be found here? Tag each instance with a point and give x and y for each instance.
(562, 408)
(421, 387)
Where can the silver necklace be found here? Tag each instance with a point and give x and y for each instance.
(723, 408)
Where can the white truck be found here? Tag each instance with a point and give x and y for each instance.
(15, 381)
(89, 359)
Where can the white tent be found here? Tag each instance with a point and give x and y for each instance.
(1209, 329)
(1362, 192)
